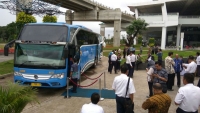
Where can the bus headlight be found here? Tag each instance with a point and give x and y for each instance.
(17, 73)
(58, 76)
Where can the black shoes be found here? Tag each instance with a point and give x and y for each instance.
(170, 90)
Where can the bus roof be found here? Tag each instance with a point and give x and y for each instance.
(59, 24)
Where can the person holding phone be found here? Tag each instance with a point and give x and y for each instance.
(160, 76)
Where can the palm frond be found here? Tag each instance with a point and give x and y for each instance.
(13, 97)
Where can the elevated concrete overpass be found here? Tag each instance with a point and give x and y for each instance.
(88, 10)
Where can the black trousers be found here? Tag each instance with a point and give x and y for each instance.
(137, 64)
(178, 78)
(179, 110)
(170, 81)
(113, 64)
(109, 66)
(74, 85)
(198, 83)
(130, 72)
(160, 61)
(120, 104)
(118, 65)
(152, 52)
(164, 87)
(198, 70)
(150, 84)
(133, 64)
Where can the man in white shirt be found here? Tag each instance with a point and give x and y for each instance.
(191, 67)
(113, 62)
(119, 85)
(92, 107)
(129, 64)
(188, 97)
(198, 67)
(198, 64)
(133, 60)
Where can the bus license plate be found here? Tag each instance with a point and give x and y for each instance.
(35, 84)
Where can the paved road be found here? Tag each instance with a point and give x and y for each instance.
(51, 100)
(5, 58)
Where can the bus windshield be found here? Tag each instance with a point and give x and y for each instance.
(52, 33)
(39, 56)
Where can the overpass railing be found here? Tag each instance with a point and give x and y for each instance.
(198, 16)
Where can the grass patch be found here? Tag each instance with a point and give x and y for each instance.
(6, 67)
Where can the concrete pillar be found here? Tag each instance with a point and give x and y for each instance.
(178, 36)
(182, 39)
(102, 31)
(69, 22)
(69, 17)
(136, 13)
(117, 30)
(163, 39)
(164, 12)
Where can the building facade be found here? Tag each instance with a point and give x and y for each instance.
(168, 18)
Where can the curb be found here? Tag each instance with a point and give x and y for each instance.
(6, 75)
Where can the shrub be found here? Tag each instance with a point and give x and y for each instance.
(151, 42)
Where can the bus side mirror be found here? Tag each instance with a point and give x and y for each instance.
(7, 46)
(6, 50)
(65, 53)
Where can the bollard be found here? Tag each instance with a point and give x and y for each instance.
(67, 87)
(100, 89)
(80, 77)
(105, 80)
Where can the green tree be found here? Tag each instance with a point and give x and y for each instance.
(3, 33)
(48, 18)
(151, 42)
(13, 97)
(139, 39)
(25, 18)
(11, 31)
(136, 27)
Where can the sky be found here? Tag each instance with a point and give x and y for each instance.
(6, 17)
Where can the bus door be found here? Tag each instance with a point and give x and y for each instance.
(71, 54)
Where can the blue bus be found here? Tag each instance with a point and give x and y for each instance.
(43, 52)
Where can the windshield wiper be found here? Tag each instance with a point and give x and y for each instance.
(26, 62)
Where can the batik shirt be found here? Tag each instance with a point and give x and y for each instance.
(158, 103)
(169, 65)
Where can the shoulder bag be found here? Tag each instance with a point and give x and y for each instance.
(129, 105)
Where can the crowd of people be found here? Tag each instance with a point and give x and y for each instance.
(132, 61)
(161, 79)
